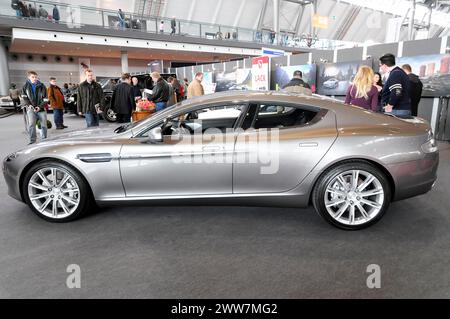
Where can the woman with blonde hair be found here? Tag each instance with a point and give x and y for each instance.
(362, 92)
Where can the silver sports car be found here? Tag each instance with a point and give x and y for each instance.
(240, 148)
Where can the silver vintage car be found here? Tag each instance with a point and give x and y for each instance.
(239, 148)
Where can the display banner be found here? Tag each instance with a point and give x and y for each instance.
(260, 73)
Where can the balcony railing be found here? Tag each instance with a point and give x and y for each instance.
(75, 16)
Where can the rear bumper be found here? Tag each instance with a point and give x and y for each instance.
(415, 178)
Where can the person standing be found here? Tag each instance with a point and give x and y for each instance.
(14, 94)
(15, 6)
(176, 88)
(136, 88)
(395, 95)
(90, 99)
(56, 98)
(32, 11)
(415, 89)
(195, 88)
(297, 85)
(362, 92)
(160, 95)
(34, 94)
(43, 14)
(122, 101)
(56, 16)
(173, 26)
(378, 83)
(121, 17)
(24, 9)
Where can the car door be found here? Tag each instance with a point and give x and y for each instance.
(280, 147)
(182, 165)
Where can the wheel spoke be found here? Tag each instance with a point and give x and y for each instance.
(44, 206)
(363, 211)
(64, 180)
(55, 208)
(44, 179)
(372, 192)
(53, 176)
(68, 190)
(355, 177)
(336, 191)
(64, 207)
(37, 186)
(342, 181)
(366, 183)
(370, 203)
(334, 203)
(70, 200)
(351, 216)
(341, 211)
(41, 195)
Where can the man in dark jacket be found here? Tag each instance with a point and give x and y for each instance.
(34, 95)
(415, 89)
(297, 81)
(161, 91)
(90, 99)
(122, 101)
(136, 87)
(173, 26)
(56, 16)
(395, 95)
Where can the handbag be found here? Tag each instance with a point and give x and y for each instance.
(49, 124)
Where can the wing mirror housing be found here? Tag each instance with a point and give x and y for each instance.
(155, 136)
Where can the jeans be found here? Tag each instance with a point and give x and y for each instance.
(122, 24)
(401, 113)
(18, 13)
(32, 118)
(160, 106)
(58, 117)
(91, 119)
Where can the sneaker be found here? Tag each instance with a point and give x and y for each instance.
(59, 127)
(64, 126)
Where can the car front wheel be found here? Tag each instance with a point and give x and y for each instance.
(56, 192)
(352, 196)
(109, 114)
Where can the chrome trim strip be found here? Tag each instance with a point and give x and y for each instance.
(95, 157)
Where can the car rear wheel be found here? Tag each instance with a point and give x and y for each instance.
(352, 196)
(56, 192)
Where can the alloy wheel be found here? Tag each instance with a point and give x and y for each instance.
(354, 197)
(54, 192)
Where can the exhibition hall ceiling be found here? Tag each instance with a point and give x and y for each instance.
(62, 48)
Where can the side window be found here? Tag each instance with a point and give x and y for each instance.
(212, 118)
(279, 116)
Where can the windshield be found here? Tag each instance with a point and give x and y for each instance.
(163, 113)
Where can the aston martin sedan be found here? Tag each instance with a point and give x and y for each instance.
(234, 148)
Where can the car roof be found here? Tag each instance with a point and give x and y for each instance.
(264, 96)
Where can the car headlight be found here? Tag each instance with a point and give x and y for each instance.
(430, 146)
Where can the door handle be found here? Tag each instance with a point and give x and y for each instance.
(310, 144)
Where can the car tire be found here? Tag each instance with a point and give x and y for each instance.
(68, 198)
(352, 195)
(109, 115)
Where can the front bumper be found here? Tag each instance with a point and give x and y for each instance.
(11, 175)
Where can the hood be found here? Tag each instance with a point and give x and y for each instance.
(92, 133)
(413, 78)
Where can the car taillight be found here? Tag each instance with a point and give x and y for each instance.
(430, 146)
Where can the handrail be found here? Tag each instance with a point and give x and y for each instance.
(184, 27)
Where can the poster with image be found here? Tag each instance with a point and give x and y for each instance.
(433, 71)
(208, 86)
(239, 79)
(260, 73)
(283, 74)
(336, 78)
